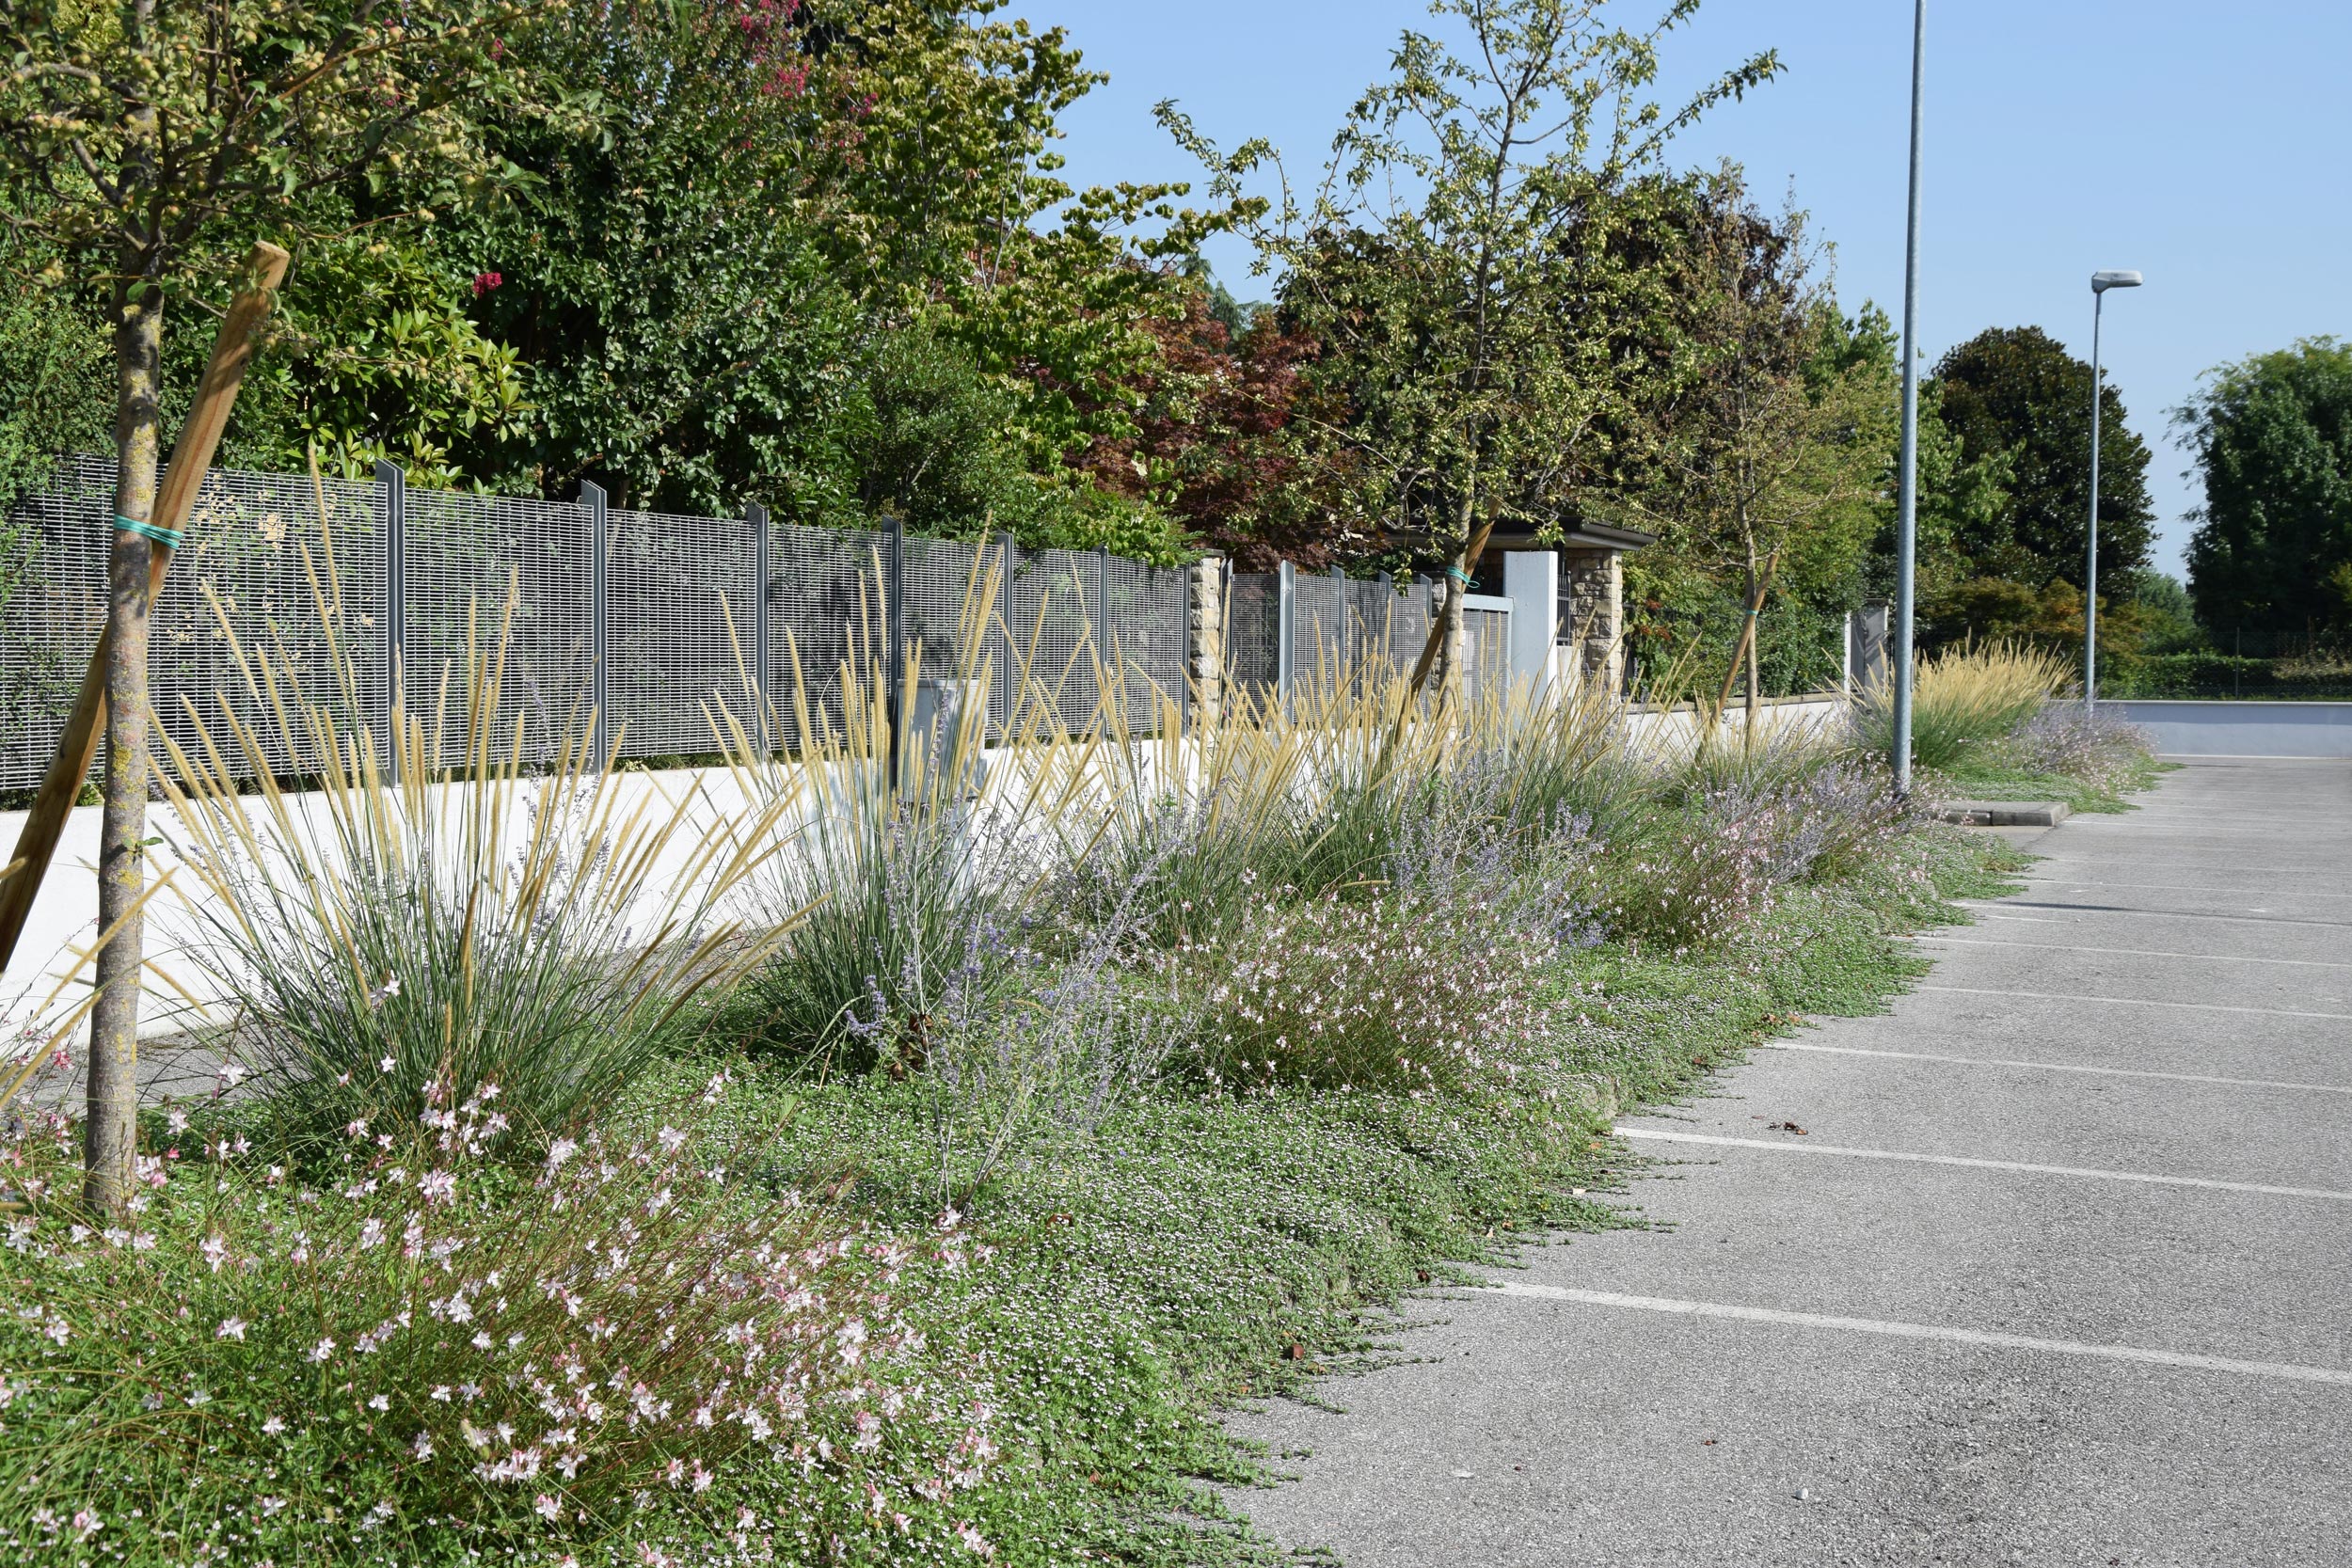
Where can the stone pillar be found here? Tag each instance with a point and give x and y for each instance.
(1593, 588)
(1204, 619)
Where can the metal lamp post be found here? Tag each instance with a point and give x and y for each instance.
(1907, 510)
(2100, 283)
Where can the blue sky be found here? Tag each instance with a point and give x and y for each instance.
(2204, 144)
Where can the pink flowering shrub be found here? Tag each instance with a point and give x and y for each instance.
(1413, 994)
(1688, 882)
(1705, 875)
(629, 1352)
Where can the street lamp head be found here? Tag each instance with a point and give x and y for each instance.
(2102, 281)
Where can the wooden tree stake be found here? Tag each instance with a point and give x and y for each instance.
(191, 458)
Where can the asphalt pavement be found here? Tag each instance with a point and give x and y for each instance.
(2058, 1272)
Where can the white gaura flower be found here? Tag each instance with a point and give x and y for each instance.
(231, 1329)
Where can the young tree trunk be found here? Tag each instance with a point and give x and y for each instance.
(1755, 634)
(1437, 663)
(111, 1135)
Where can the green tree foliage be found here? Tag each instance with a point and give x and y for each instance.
(2014, 394)
(1458, 262)
(1770, 445)
(1212, 445)
(56, 363)
(2271, 558)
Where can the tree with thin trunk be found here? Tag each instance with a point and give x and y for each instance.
(148, 141)
(1460, 260)
(1762, 447)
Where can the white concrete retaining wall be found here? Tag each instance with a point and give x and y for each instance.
(65, 914)
(2242, 728)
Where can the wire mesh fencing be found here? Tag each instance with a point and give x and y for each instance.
(1288, 627)
(665, 616)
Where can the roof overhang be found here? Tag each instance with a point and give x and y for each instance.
(1582, 536)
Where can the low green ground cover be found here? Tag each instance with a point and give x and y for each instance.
(940, 1228)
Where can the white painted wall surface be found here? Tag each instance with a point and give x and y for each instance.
(2241, 729)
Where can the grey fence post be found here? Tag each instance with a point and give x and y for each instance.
(395, 483)
(1099, 613)
(762, 670)
(1339, 578)
(1184, 640)
(1102, 602)
(1387, 632)
(591, 497)
(1285, 617)
(1000, 684)
(894, 628)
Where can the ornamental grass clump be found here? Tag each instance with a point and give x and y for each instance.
(463, 912)
(895, 879)
(434, 1355)
(1963, 701)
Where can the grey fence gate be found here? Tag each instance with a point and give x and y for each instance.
(1286, 627)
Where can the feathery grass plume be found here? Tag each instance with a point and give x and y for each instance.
(414, 920)
(1197, 814)
(1964, 699)
(1561, 750)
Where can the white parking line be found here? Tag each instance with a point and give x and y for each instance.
(1792, 1145)
(2157, 914)
(2059, 1066)
(2132, 1001)
(2286, 1371)
(2084, 884)
(2128, 952)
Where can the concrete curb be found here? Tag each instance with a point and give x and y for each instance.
(2002, 814)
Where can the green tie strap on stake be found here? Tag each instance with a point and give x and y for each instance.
(175, 537)
(1459, 575)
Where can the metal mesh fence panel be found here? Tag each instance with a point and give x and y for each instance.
(944, 603)
(54, 576)
(1168, 610)
(680, 602)
(679, 613)
(1318, 627)
(1408, 625)
(1371, 611)
(1252, 627)
(1050, 626)
(290, 583)
(469, 560)
(1146, 637)
(1485, 652)
(824, 613)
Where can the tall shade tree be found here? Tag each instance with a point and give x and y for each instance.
(2017, 390)
(2272, 553)
(145, 141)
(1457, 258)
